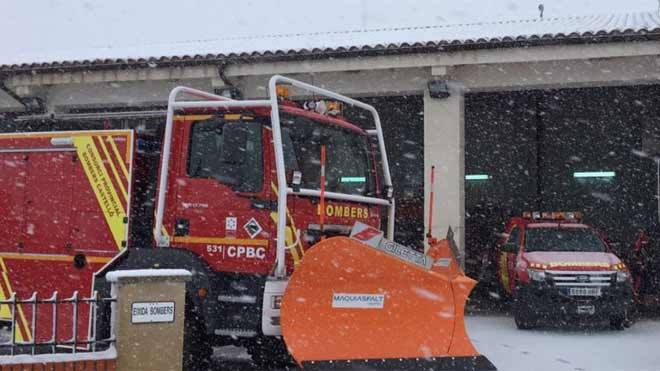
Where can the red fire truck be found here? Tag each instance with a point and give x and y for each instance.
(554, 266)
(238, 202)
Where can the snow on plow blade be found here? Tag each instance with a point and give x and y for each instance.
(367, 303)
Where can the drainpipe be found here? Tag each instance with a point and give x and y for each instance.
(229, 90)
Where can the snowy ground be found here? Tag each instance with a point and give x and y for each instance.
(560, 348)
(551, 349)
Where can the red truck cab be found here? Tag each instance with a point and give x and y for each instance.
(554, 265)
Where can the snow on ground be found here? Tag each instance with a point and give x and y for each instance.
(561, 348)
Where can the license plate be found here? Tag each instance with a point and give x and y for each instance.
(586, 309)
(584, 291)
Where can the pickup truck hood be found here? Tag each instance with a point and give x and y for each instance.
(573, 260)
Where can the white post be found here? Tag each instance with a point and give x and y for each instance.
(280, 270)
(657, 195)
(444, 148)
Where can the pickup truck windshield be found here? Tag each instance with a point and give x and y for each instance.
(348, 167)
(562, 239)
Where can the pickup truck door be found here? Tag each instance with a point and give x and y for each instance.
(507, 260)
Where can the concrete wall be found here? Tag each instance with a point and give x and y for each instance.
(8, 104)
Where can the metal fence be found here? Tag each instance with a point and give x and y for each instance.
(62, 316)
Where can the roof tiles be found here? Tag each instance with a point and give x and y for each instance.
(511, 33)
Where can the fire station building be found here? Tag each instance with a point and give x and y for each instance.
(543, 114)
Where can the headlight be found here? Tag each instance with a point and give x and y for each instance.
(536, 275)
(622, 276)
(622, 273)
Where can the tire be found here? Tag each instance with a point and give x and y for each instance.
(269, 351)
(197, 349)
(524, 323)
(523, 317)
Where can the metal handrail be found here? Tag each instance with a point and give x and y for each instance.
(216, 101)
(280, 271)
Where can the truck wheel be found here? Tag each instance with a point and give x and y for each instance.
(522, 316)
(269, 351)
(197, 349)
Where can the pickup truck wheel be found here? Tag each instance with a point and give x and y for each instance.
(524, 323)
(522, 316)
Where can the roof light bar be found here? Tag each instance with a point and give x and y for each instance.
(553, 215)
(594, 174)
(478, 177)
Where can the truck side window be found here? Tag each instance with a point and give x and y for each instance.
(512, 242)
(229, 152)
(514, 236)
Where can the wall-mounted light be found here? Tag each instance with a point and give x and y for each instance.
(478, 177)
(229, 92)
(594, 174)
(438, 89)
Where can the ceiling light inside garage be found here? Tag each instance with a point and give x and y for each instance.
(478, 177)
(594, 174)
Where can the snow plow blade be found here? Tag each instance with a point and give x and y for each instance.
(367, 303)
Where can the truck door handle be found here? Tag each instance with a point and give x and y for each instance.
(182, 227)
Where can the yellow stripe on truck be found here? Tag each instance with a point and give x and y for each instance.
(20, 316)
(113, 168)
(5, 311)
(51, 257)
(291, 233)
(288, 240)
(100, 181)
(115, 150)
(504, 271)
(219, 241)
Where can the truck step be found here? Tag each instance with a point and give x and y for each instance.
(235, 332)
(242, 299)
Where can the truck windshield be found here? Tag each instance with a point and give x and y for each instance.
(347, 167)
(562, 239)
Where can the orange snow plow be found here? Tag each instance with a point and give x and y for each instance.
(368, 303)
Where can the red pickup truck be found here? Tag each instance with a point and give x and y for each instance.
(554, 266)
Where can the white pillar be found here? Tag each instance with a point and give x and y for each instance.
(444, 148)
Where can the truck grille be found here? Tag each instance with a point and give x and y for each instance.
(581, 278)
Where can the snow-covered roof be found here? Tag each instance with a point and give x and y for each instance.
(377, 41)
